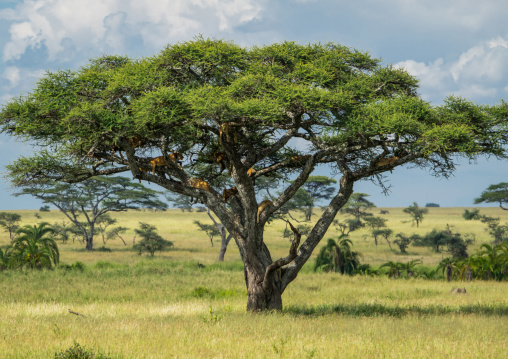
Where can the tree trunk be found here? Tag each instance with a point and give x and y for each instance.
(261, 296)
(89, 243)
(224, 244)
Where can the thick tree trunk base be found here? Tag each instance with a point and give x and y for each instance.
(259, 301)
(260, 297)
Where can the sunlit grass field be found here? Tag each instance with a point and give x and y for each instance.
(169, 307)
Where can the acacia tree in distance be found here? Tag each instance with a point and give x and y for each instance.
(416, 213)
(496, 193)
(88, 203)
(316, 188)
(277, 110)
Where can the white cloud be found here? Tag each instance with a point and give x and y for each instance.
(104, 24)
(479, 73)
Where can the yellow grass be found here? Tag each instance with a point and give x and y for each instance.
(137, 307)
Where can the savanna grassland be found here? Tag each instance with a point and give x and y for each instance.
(170, 306)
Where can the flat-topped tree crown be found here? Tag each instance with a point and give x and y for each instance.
(206, 116)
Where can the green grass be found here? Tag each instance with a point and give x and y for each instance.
(168, 306)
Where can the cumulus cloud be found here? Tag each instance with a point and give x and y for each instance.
(479, 73)
(108, 24)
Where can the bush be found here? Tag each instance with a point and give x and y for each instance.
(79, 352)
(44, 208)
(76, 266)
(103, 249)
(151, 240)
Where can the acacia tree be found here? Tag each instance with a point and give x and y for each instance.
(87, 203)
(277, 110)
(416, 213)
(10, 222)
(316, 188)
(496, 193)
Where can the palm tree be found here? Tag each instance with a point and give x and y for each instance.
(394, 268)
(5, 258)
(33, 249)
(338, 257)
(447, 264)
(410, 267)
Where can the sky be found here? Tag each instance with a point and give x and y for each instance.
(455, 47)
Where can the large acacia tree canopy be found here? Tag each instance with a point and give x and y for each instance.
(280, 109)
(343, 103)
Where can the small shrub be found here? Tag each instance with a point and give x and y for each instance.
(103, 249)
(76, 266)
(44, 208)
(79, 352)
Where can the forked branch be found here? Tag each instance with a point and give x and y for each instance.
(272, 268)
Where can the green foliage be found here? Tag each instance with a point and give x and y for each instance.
(151, 241)
(9, 221)
(87, 203)
(79, 352)
(34, 249)
(497, 231)
(358, 205)
(471, 215)
(455, 244)
(316, 188)
(489, 262)
(404, 241)
(496, 193)
(416, 213)
(117, 232)
(44, 208)
(210, 230)
(397, 269)
(76, 266)
(385, 233)
(338, 257)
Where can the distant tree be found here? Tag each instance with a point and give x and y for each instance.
(117, 232)
(410, 267)
(338, 257)
(496, 193)
(447, 265)
(44, 208)
(416, 213)
(9, 221)
(302, 201)
(348, 225)
(404, 241)
(151, 241)
(316, 188)
(385, 233)
(34, 248)
(61, 231)
(84, 203)
(358, 205)
(209, 229)
(471, 215)
(180, 201)
(457, 246)
(498, 231)
(375, 223)
(431, 205)
(435, 239)
(102, 224)
(394, 269)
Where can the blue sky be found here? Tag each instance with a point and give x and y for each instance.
(454, 47)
